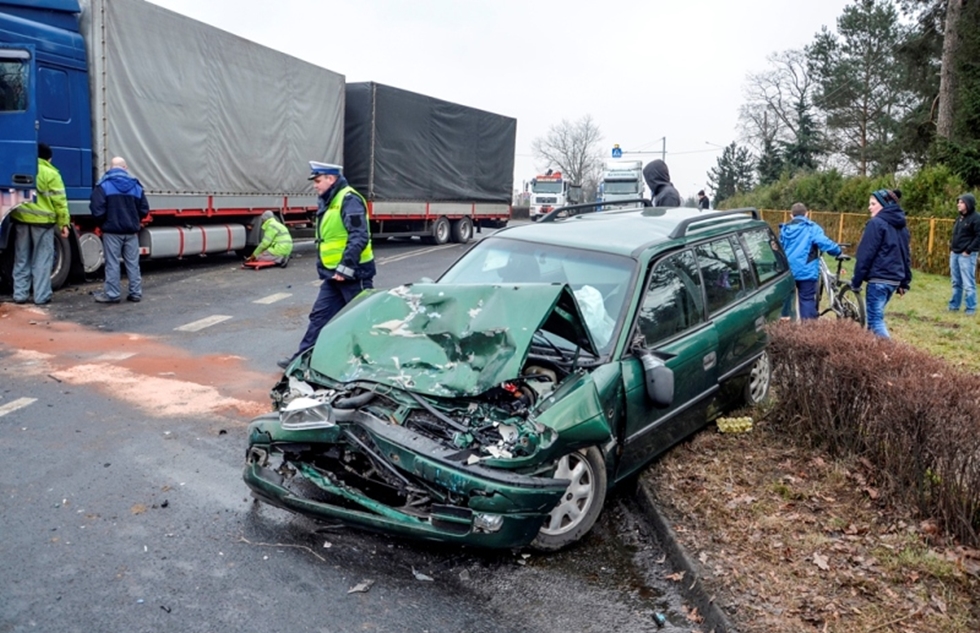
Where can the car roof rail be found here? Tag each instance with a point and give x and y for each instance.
(719, 217)
(573, 210)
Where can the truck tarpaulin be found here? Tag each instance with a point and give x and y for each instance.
(400, 145)
(198, 110)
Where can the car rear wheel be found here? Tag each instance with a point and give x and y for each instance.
(581, 504)
(757, 386)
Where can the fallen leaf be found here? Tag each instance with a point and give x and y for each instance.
(676, 577)
(821, 561)
(139, 508)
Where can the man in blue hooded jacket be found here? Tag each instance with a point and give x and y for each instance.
(119, 205)
(803, 240)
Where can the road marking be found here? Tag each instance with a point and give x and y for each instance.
(115, 356)
(20, 403)
(279, 296)
(202, 323)
(414, 253)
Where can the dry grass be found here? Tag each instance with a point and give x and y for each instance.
(790, 540)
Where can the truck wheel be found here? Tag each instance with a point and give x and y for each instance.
(93, 256)
(439, 233)
(462, 230)
(62, 261)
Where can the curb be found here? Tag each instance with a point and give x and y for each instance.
(694, 591)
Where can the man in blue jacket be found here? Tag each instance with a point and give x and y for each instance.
(119, 205)
(803, 240)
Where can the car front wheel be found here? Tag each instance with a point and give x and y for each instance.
(581, 504)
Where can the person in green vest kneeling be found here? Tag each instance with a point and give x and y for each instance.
(276, 245)
(346, 260)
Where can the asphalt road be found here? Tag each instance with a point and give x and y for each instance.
(122, 506)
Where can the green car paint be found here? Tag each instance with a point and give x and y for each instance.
(443, 410)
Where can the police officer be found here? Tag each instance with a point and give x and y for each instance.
(34, 234)
(346, 260)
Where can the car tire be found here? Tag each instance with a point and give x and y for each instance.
(462, 230)
(757, 383)
(581, 503)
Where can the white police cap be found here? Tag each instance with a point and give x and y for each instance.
(324, 169)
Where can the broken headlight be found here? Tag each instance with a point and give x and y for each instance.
(305, 413)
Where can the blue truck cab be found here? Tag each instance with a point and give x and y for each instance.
(44, 96)
(45, 87)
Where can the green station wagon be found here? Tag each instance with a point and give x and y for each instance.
(497, 405)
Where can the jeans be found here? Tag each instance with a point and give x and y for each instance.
(128, 247)
(876, 298)
(807, 291)
(333, 296)
(33, 261)
(962, 273)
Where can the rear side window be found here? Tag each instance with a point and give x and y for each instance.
(672, 302)
(767, 258)
(721, 272)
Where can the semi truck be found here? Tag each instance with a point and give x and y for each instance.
(551, 190)
(219, 129)
(621, 180)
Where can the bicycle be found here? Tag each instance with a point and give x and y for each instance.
(844, 301)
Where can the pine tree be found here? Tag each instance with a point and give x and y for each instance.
(733, 173)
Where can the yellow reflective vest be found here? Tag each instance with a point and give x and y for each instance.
(333, 234)
(275, 239)
(52, 203)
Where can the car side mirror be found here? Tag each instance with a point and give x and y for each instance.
(659, 379)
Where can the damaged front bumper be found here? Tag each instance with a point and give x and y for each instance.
(365, 472)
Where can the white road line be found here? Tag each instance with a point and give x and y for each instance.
(279, 296)
(20, 403)
(115, 356)
(414, 253)
(202, 323)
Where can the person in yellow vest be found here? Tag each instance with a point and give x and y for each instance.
(276, 245)
(346, 259)
(35, 224)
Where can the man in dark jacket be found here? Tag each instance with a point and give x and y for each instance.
(963, 249)
(662, 191)
(346, 257)
(119, 205)
(703, 202)
(883, 257)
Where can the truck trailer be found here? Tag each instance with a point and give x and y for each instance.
(217, 128)
(426, 166)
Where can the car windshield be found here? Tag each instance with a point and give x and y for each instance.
(620, 186)
(547, 187)
(601, 281)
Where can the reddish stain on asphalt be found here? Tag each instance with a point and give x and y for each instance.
(156, 377)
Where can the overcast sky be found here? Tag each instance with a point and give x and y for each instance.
(643, 70)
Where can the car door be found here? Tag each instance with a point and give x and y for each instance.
(670, 320)
(738, 318)
(18, 117)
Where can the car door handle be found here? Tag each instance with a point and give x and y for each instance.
(710, 360)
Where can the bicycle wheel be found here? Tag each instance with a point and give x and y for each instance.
(849, 304)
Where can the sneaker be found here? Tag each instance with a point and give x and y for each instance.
(20, 302)
(102, 298)
(133, 298)
(284, 263)
(284, 362)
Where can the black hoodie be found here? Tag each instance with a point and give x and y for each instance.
(662, 191)
(966, 229)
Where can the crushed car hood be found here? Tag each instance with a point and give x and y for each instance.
(444, 339)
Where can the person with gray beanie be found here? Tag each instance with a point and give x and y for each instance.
(963, 249)
(276, 245)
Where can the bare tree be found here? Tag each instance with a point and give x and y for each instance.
(573, 149)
